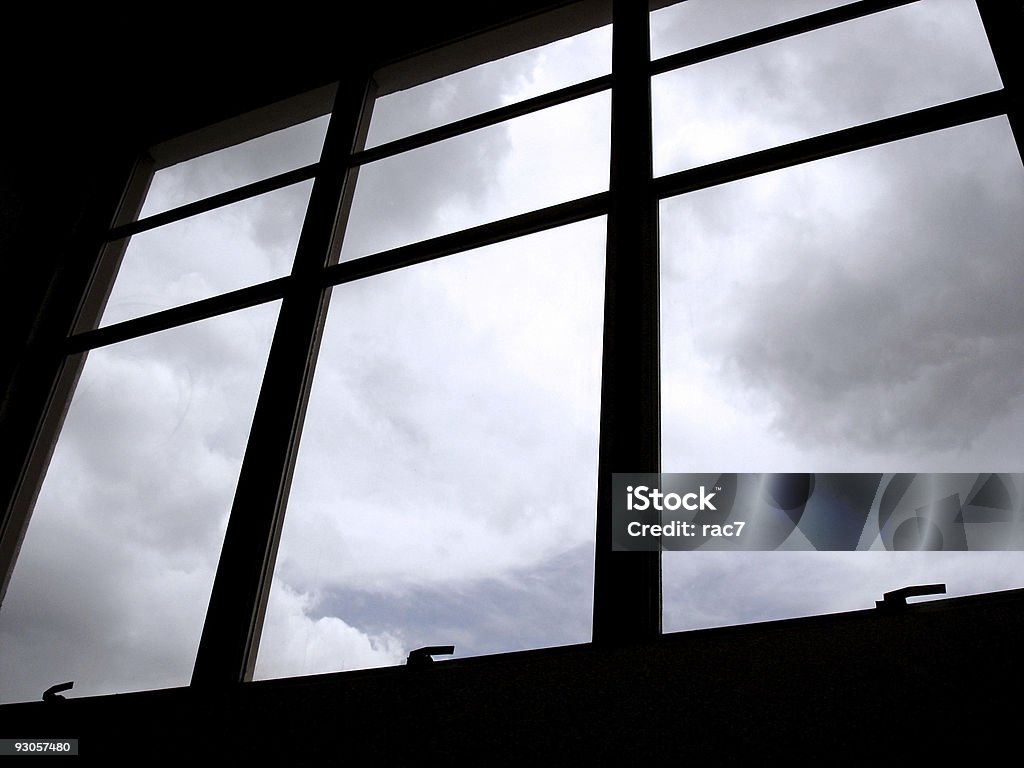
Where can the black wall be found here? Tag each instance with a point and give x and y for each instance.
(934, 679)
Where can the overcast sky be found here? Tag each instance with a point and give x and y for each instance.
(853, 314)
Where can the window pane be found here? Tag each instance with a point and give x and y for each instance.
(239, 245)
(541, 159)
(855, 314)
(232, 167)
(889, 63)
(445, 486)
(491, 85)
(693, 23)
(112, 583)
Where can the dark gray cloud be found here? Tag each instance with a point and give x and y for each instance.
(116, 568)
(709, 589)
(549, 603)
(898, 328)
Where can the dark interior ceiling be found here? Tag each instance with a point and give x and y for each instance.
(136, 76)
(83, 90)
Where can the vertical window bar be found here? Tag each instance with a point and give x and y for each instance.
(230, 640)
(1004, 22)
(627, 585)
(38, 385)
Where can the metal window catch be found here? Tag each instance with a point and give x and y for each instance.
(422, 656)
(53, 692)
(898, 597)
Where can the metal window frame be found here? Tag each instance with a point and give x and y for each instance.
(627, 588)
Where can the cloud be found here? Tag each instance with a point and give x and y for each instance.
(225, 169)
(863, 330)
(491, 85)
(115, 572)
(293, 638)
(94, 603)
(710, 589)
(690, 24)
(222, 250)
(514, 167)
(451, 432)
(892, 62)
(549, 603)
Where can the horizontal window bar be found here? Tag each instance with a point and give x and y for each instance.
(839, 142)
(483, 120)
(186, 313)
(415, 141)
(847, 140)
(426, 250)
(215, 201)
(774, 33)
(474, 237)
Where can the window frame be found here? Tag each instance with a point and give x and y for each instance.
(627, 586)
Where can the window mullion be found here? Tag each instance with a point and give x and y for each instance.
(627, 585)
(230, 639)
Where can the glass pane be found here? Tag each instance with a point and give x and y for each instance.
(855, 314)
(232, 167)
(115, 573)
(693, 23)
(541, 159)
(239, 245)
(889, 63)
(445, 486)
(491, 85)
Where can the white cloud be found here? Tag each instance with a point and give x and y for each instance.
(448, 437)
(294, 639)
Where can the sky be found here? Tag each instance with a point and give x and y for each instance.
(858, 313)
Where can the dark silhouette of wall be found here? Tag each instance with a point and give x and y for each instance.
(931, 679)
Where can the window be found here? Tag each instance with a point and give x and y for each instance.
(117, 567)
(353, 374)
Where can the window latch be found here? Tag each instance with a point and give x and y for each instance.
(425, 655)
(897, 599)
(53, 692)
